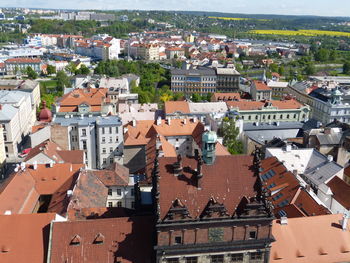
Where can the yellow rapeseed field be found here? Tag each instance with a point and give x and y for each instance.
(301, 33)
(236, 18)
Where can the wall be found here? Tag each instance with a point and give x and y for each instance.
(40, 136)
(134, 157)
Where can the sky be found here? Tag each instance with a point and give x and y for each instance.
(283, 7)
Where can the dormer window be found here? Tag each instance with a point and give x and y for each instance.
(99, 239)
(75, 241)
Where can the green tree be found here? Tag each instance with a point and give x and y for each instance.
(31, 73)
(83, 70)
(273, 67)
(322, 55)
(230, 133)
(62, 80)
(51, 69)
(281, 70)
(310, 69)
(196, 97)
(346, 67)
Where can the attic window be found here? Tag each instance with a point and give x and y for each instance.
(75, 241)
(99, 239)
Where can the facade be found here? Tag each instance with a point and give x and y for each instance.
(101, 138)
(260, 91)
(174, 52)
(199, 218)
(269, 111)
(145, 51)
(190, 81)
(227, 80)
(19, 64)
(17, 117)
(279, 88)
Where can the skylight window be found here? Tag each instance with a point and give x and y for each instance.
(268, 175)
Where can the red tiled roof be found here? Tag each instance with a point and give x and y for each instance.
(256, 105)
(171, 107)
(341, 191)
(116, 175)
(293, 199)
(23, 60)
(125, 240)
(259, 85)
(225, 96)
(24, 237)
(228, 180)
(317, 239)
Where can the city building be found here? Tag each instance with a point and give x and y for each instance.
(260, 91)
(286, 110)
(129, 112)
(227, 80)
(101, 138)
(144, 51)
(15, 65)
(279, 89)
(174, 52)
(202, 81)
(213, 211)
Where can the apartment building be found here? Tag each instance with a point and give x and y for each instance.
(15, 65)
(227, 80)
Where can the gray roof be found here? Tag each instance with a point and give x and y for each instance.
(329, 139)
(227, 71)
(85, 121)
(202, 72)
(12, 97)
(7, 112)
(319, 169)
(268, 135)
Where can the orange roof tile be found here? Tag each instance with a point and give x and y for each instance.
(256, 105)
(25, 237)
(23, 60)
(259, 85)
(319, 239)
(170, 107)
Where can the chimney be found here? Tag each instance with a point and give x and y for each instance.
(8, 213)
(284, 220)
(69, 193)
(329, 158)
(199, 172)
(133, 123)
(169, 121)
(288, 148)
(344, 224)
(51, 164)
(178, 165)
(184, 121)
(159, 121)
(35, 165)
(23, 166)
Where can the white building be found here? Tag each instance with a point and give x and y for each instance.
(100, 137)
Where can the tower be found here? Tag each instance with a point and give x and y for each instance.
(209, 139)
(336, 96)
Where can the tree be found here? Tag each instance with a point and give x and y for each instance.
(310, 69)
(230, 133)
(196, 97)
(83, 70)
(346, 67)
(31, 73)
(62, 80)
(51, 69)
(322, 55)
(281, 70)
(273, 67)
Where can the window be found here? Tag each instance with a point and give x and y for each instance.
(103, 140)
(110, 139)
(111, 160)
(116, 129)
(132, 192)
(109, 191)
(5, 137)
(110, 130)
(110, 204)
(84, 145)
(256, 255)
(268, 175)
(178, 240)
(282, 213)
(283, 203)
(104, 160)
(217, 259)
(172, 260)
(252, 235)
(236, 257)
(119, 204)
(103, 130)
(119, 192)
(110, 149)
(256, 117)
(294, 116)
(83, 132)
(103, 150)
(281, 116)
(132, 205)
(278, 196)
(287, 116)
(191, 260)
(271, 185)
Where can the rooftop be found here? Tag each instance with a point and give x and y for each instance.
(317, 239)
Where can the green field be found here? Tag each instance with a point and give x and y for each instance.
(310, 33)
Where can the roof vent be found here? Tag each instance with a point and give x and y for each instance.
(345, 222)
(288, 148)
(69, 193)
(329, 158)
(35, 165)
(8, 212)
(23, 166)
(284, 220)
